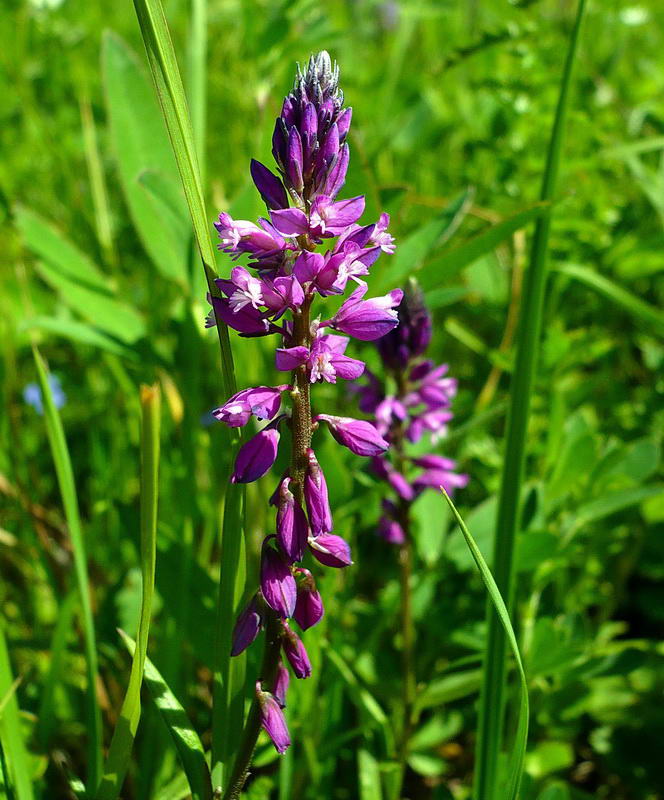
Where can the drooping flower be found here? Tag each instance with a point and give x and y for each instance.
(256, 456)
(247, 627)
(272, 719)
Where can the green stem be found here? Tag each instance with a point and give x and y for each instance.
(492, 701)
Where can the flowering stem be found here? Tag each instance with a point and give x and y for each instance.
(253, 724)
(406, 569)
(301, 427)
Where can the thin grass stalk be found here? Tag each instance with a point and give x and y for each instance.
(67, 486)
(119, 752)
(168, 84)
(492, 699)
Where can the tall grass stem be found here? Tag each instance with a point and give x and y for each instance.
(492, 699)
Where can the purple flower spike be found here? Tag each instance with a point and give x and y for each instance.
(358, 435)
(272, 719)
(309, 606)
(247, 627)
(315, 495)
(411, 338)
(277, 582)
(292, 526)
(262, 401)
(256, 456)
(271, 188)
(281, 685)
(367, 319)
(295, 652)
(330, 550)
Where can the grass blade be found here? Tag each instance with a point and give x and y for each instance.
(453, 261)
(65, 476)
(119, 753)
(189, 747)
(498, 604)
(492, 698)
(638, 308)
(168, 83)
(228, 681)
(15, 757)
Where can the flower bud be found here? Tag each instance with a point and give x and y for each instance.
(309, 606)
(272, 719)
(330, 550)
(413, 334)
(292, 527)
(315, 495)
(247, 627)
(277, 582)
(295, 652)
(281, 685)
(256, 456)
(358, 435)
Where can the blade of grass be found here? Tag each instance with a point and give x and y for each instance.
(492, 698)
(228, 683)
(198, 77)
(498, 604)
(46, 719)
(67, 486)
(168, 83)
(638, 308)
(185, 738)
(15, 765)
(119, 753)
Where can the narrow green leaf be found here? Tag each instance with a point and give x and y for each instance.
(67, 486)
(608, 504)
(492, 698)
(368, 774)
(97, 182)
(227, 706)
(185, 738)
(15, 763)
(140, 143)
(78, 332)
(104, 312)
(643, 311)
(449, 688)
(453, 261)
(47, 242)
(119, 753)
(46, 718)
(521, 737)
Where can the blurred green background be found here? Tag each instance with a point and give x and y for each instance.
(452, 111)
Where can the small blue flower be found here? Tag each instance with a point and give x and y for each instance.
(33, 396)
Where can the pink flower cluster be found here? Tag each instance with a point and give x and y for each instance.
(420, 406)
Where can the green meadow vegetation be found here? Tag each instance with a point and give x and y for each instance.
(519, 150)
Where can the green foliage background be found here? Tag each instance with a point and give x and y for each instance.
(449, 99)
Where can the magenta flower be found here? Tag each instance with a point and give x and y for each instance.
(331, 550)
(295, 652)
(281, 685)
(272, 719)
(263, 402)
(247, 627)
(309, 605)
(358, 435)
(367, 319)
(256, 456)
(277, 581)
(292, 525)
(315, 495)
